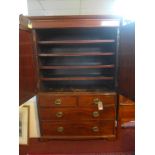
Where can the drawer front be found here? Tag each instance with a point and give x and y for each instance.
(48, 100)
(92, 100)
(89, 128)
(69, 114)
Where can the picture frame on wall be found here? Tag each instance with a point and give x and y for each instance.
(24, 113)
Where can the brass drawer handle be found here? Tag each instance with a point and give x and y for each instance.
(96, 100)
(59, 114)
(99, 103)
(57, 101)
(60, 129)
(96, 114)
(95, 129)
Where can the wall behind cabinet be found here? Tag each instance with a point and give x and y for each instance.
(70, 7)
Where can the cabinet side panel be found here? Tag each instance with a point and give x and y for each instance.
(126, 74)
(27, 67)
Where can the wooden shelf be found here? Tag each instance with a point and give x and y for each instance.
(77, 78)
(76, 41)
(76, 54)
(76, 67)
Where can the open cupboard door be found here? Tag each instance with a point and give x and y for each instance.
(27, 66)
(126, 70)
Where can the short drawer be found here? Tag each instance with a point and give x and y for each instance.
(92, 100)
(49, 100)
(77, 114)
(87, 128)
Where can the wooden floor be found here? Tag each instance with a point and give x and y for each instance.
(124, 143)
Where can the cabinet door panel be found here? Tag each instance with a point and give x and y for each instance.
(27, 67)
(126, 73)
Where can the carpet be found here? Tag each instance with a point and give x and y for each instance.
(110, 153)
(123, 145)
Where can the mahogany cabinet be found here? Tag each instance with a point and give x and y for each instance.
(78, 74)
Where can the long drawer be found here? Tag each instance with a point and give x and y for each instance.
(84, 128)
(78, 114)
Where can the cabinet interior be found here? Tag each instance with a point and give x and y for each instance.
(77, 59)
